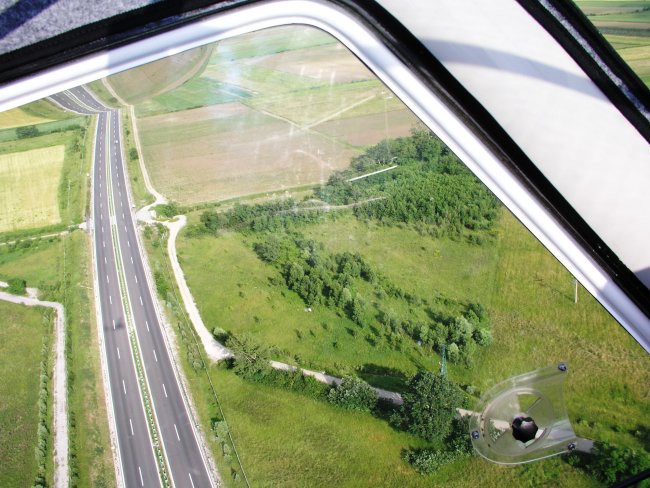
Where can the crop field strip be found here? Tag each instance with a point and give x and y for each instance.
(28, 188)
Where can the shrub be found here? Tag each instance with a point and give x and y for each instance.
(353, 394)
(428, 460)
(610, 463)
(429, 407)
(17, 286)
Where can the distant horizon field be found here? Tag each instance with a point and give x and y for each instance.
(272, 115)
(29, 183)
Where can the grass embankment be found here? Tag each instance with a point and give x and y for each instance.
(22, 336)
(139, 190)
(43, 181)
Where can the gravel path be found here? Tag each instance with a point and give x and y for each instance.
(61, 474)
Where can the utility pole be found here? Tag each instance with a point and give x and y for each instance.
(443, 363)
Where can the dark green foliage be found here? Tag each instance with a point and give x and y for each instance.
(610, 463)
(133, 153)
(162, 286)
(251, 359)
(431, 187)
(459, 440)
(263, 217)
(427, 460)
(429, 408)
(168, 210)
(17, 286)
(353, 394)
(26, 131)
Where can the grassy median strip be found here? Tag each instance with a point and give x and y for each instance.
(135, 349)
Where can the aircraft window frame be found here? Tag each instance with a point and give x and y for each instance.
(416, 95)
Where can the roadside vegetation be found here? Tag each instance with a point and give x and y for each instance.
(25, 411)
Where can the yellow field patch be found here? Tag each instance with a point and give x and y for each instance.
(17, 118)
(29, 184)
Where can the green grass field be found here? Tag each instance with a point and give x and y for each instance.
(41, 265)
(287, 439)
(21, 335)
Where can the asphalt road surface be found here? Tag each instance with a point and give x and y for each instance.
(185, 462)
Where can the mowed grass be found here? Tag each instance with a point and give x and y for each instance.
(29, 183)
(22, 330)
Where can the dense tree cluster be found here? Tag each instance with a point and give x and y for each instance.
(262, 217)
(334, 280)
(430, 188)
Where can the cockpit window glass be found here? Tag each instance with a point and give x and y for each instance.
(338, 290)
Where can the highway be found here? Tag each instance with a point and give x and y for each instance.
(116, 250)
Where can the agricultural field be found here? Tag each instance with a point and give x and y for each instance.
(292, 103)
(17, 117)
(43, 185)
(22, 336)
(29, 181)
(626, 25)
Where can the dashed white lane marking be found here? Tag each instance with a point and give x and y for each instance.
(128, 243)
(105, 262)
(124, 385)
(147, 324)
(141, 480)
(123, 216)
(131, 259)
(113, 324)
(136, 278)
(125, 229)
(107, 280)
(118, 352)
(191, 482)
(104, 243)
(110, 299)
(101, 217)
(154, 355)
(131, 424)
(141, 302)
(177, 436)
(164, 390)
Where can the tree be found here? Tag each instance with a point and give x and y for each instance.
(269, 250)
(353, 394)
(133, 154)
(611, 463)
(251, 359)
(429, 407)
